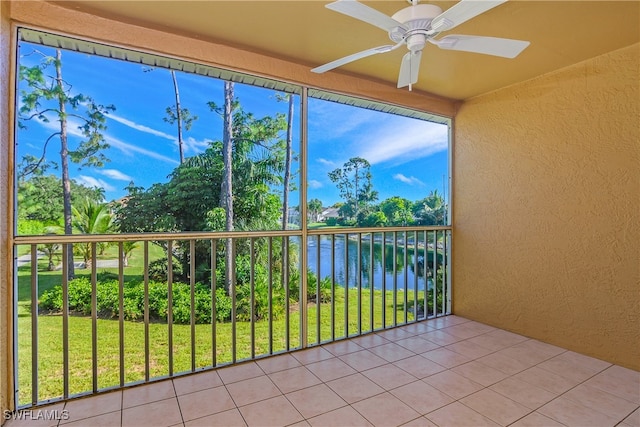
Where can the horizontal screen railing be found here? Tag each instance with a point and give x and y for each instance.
(142, 307)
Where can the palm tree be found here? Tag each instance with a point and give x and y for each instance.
(91, 218)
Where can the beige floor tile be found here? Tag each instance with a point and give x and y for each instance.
(422, 397)
(354, 388)
(330, 369)
(619, 381)
(469, 349)
(524, 393)
(536, 419)
(277, 411)
(243, 371)
(468, 330)
(419, 328)
(633, 419)
(596, 365)
(395, 334)
(504, 363)
(568, 369)
(205, 402)
(252, 390)
(498, 339)
(315, 400)
(570, 413)
(230, 418)
(392, 352)
(528, 352)
(542, 347)
(312, 355)
(446, 321)
(277, 363)
(495, 406)
(389, 376)
(419, 367)
(339, 348)
(363, 360)
(370, 340)
(105, 420)
(163, 413)
(419, 422)
(482, 374)
(385, 410)
(196, 382)
(303, 423)
(459, 415)
(341, 417)
(147, 393)
(417, 344)
(92, 406)
(446, 358)
(601, 401)
(546, 380)
(453, 384)
(294, 379)
(440, 337)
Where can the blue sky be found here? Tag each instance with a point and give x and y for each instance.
(409, 157)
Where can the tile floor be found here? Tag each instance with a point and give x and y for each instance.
(442, 372)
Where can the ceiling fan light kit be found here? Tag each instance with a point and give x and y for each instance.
(418, 24)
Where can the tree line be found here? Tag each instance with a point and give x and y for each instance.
(358, 208)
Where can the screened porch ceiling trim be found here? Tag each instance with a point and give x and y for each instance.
(153, 60)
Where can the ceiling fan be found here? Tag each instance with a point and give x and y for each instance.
(418, 24)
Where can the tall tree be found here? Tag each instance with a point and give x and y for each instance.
(354, 183)
(287, 164)
(226, 189)
(180, 116)
(46, 98)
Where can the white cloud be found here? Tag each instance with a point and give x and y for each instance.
(314, 184)
(126, 148)
(325, 162)
(114, 174)
(90, 181)
(141, 128)
(403, 141)
(408, 180)
(192, 144)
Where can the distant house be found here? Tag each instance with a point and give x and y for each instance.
(328, 213)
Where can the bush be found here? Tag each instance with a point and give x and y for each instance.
(158, 270)
(79, 297)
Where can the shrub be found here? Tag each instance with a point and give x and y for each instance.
(79, 297)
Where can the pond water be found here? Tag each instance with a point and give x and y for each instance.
(404, 274)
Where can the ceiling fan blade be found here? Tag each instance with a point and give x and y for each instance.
(506, 48)
(462, 12)
(409, 68)
(354, 57)
(364, 13)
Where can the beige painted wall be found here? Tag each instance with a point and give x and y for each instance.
(547, 208)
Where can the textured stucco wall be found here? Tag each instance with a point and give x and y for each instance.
(547, 208)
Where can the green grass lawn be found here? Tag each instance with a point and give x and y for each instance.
(50, 359)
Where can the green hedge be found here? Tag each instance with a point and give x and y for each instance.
(133, 303)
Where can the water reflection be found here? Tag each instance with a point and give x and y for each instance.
(409, 270)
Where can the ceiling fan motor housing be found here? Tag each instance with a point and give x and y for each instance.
(416, 20)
